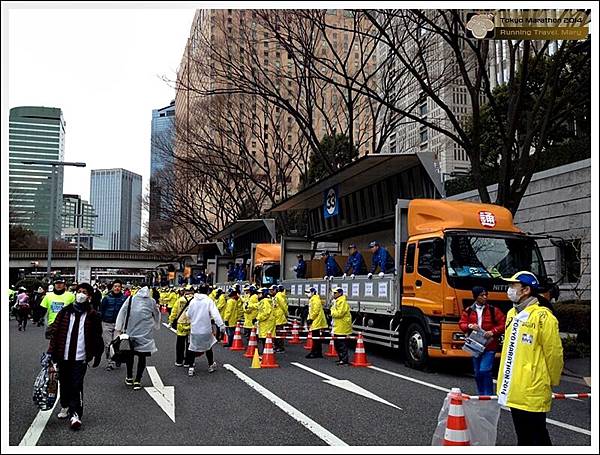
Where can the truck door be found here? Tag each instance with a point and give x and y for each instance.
(429, 291)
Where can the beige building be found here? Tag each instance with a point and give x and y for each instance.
(229, 49)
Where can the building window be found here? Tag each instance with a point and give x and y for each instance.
(423, 134)
(423, 110)
(570, 260)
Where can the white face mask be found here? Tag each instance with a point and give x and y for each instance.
(81, 297)
(512, 295)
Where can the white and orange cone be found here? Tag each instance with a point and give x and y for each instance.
(332, 352)
(268, 357)
(457, 433)
(238, 344)
(252, 344)
(309, 342)
(295, 334)
(360, 356)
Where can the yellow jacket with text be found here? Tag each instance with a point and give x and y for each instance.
(230, 312)
(281, 308)
(316, 314)
(340, 314)
(250, 311)
(183, 323)
(532, 359)
(266, 318)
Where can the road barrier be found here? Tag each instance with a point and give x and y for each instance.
(555, 396)
(360, 356)
(252, 344)
(457, 433)
(238, 344)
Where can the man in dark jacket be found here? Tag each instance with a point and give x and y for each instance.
(300, 268)
(109, 310)
(355, 262)
(76, 340)
(381, 258)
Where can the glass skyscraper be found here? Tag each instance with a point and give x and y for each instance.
(161, 149)
(116, 195)
(35, 133)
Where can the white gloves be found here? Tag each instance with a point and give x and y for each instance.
(325, 277)
(381, 274)
(352, 276)
(295, 268)
(344, 275)
(369, 276)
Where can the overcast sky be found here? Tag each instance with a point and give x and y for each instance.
(104, 69)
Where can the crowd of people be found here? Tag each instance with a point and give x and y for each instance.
(80, 328)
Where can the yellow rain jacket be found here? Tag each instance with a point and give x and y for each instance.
(316, 314)
(532, 359)
(230, 312)
(266, 318)
(250, 311)
(342, 319)
(240, 309)
(183, 323)
(172, 299)
(221, 302)
(281, 311)
(213, 295)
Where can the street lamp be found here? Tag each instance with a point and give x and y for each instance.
(54, 164)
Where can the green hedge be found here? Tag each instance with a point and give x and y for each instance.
(574, 318)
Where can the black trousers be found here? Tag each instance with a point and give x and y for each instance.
(317, 348)
(341, 346)
(141, 366)
(181, 349)
(70, 377)
(530, 428)
(279, 343)
(191, 357)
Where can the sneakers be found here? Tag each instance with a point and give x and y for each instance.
(75, 422)
(63, 414)
(212, 368)
(341, 362)
(129, 381)
(279, 350)
(137, 385)
(179, 364)
(191, 371)
(185, 365)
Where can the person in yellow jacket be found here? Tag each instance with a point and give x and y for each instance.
(341, 321)
(213, 295)
(316, 321)
(230, 313)
(281, 312)
(531, 362)
(179, 320)
(250, 310)
(220, 301)
(265, 316)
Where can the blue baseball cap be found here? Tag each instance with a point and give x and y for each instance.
(280, 287)
(352, 245)
(525, 278)
(373, 243)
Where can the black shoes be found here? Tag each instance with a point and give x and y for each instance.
(310, 355)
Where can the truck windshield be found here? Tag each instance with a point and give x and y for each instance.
(476, 256)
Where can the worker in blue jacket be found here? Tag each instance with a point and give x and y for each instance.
(355, 262)
(381, 258)
(300, 268)
(331, 267)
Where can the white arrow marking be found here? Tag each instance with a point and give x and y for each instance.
(163, 395)
(346, 385)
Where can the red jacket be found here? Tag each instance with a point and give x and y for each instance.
(94, 344)
(469, 316)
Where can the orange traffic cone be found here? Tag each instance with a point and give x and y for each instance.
(309, 342)
(456, 433)
(268, 357)
(332, 352)
(295, 334)
(360, 357)
(238, 344)
(252, 344)
(225, 339)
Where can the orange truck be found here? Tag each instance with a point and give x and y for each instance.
(442, 249)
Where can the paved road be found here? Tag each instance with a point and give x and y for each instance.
(222, 409)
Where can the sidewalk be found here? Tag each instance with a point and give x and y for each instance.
(578, 370)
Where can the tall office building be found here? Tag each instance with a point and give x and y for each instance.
(35, 133)
(74, 205)
(161, 149)
(116, 195)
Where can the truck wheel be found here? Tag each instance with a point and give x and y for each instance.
(415, 346)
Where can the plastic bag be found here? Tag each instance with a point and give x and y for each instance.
(482, 421)
(45, 386)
